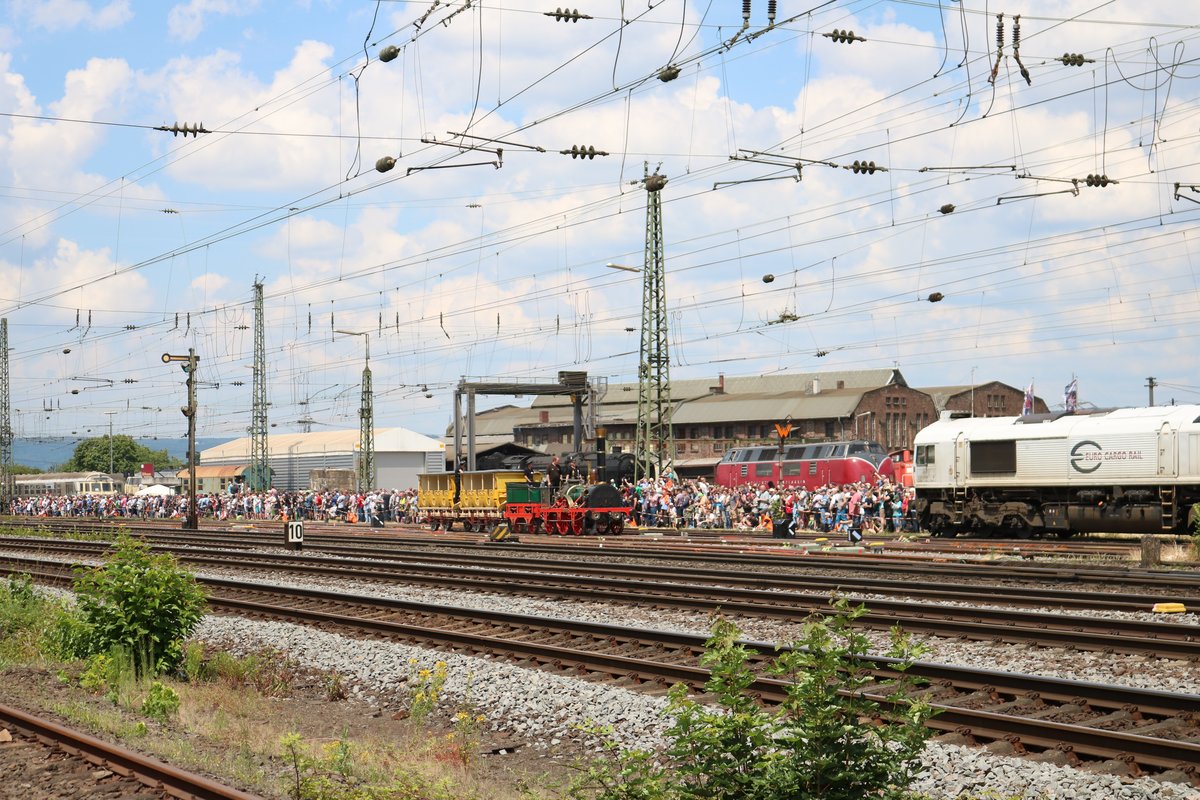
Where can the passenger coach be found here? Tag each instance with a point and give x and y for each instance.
(66, 483)
(1133, 470)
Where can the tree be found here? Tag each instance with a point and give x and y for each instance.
(22, 469)
(127, 456)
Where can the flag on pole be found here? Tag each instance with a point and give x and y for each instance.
(1027, 409)
(1071, 395)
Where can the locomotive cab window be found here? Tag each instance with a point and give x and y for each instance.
(924, 455)
(994, 458)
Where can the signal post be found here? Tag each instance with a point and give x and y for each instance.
(192, 522)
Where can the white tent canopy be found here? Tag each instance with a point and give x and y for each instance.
(157, 489)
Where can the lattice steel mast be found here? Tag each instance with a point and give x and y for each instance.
(7, 480)
(654, 446)
(366, 420)
(259, 479)
(366, 427)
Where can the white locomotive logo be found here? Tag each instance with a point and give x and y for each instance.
(1087, 456)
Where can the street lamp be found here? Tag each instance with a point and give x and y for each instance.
(366, 416)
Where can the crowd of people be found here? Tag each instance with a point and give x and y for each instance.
(852, 509)
(375, 507)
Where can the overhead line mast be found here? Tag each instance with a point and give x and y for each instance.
(7, 478)
(259, 479)
(654, 446)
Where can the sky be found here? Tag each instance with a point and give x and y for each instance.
(482, 252)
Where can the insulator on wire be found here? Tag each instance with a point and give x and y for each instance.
(842, 36)
(389, 53)
(864, 167)
(936, 297)
(746, 11)
(580, 151)
(1017, 50)
(947, 209)
(668, 73)
(1098, 180)
(185, 129)
(999, 47)
(385, 164)
(771, 11)
(566, 15)
(1075, 60)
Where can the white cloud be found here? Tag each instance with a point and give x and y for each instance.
(59, 15)
(186, 21)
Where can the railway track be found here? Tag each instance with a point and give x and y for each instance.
(41, 759)
(1112, 728)
(713, 591)
(735, 591)
(671, 537)
(341, 541)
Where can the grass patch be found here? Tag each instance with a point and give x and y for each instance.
(29, 532)
(230, 717)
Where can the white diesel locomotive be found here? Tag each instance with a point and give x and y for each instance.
(1134, 470)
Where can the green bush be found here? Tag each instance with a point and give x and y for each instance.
(829, 740)
(20, 605)
(32, 626)
(161, 701)
(142, 602)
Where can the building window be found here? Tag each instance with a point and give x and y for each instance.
(829, 430)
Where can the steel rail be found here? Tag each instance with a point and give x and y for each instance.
(596, 575)
(1034, 734)
(780, 554)
(122, 761)
(1008, 625)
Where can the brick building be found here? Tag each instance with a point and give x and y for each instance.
(992, 399)
(713, 416)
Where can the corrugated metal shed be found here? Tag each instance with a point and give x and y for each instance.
(280, 445)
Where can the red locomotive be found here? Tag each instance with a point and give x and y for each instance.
(806, 465)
